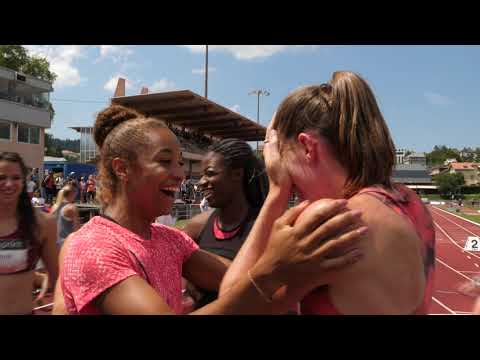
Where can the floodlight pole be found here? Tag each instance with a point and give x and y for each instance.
(206, 71)
(259, 93)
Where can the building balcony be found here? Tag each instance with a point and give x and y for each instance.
(24, 113)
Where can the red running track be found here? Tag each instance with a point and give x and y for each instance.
(454, 266)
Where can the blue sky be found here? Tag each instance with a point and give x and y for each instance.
(429, 95)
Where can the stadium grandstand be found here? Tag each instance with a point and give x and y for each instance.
(198, 122)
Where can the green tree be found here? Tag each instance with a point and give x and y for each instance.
(13, 57)
(442, 153)
(16, 57)
(449, 184)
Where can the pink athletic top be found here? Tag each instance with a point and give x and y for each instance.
(103, 253)
(404, 202)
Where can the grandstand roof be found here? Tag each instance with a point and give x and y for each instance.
(187, 109)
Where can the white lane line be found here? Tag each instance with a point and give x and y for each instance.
(43, 306)
(458, 272)
(460, 226)
(444, 306)
(453, 241)
(447, 292)
(470, 221)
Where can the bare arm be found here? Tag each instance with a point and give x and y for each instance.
(59, 307)
(205, 270)
(49, 253)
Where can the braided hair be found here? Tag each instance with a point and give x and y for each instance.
(237, 154)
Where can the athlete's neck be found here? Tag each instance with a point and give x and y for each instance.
(129, 218)
(234, 213)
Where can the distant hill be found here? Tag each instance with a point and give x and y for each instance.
(55, 146)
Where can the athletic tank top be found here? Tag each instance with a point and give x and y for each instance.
(225, 243)
(404, 202)
(15, 257)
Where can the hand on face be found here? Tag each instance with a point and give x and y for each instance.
(303, 250)
(277, 173)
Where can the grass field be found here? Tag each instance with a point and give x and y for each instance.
(179, 224)
(438, 197)
(475, 218)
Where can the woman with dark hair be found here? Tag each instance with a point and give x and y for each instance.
(122, 263)
(235, 184)
(334, 143)
(26, 236)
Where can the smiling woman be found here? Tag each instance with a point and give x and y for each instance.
(121, 263)
(235, 183)
(25, 237)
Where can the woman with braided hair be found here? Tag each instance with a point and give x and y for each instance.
(235, 184)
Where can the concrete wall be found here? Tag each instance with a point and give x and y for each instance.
(24, 114)
(32, 154)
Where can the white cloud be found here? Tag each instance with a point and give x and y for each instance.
(202, 71)
(117, 53)
(61, 59)
(162, 85)
(437, 99)
(111, 84)
(247, 52)
(235, 108)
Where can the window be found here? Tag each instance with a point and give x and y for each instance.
(28, 135)
(4, 130)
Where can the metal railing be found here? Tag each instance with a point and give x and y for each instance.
(185, 211)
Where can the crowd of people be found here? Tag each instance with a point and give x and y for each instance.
(45, 192)
(355, 243)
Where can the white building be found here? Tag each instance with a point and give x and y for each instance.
(400, 156)
(416, 159)
(24, 115)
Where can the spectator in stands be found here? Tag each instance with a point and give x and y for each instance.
(59, 182)
(83, 190)
(35, 175)
(91, 189)
(49, 185)
(26, 235)
(234, 182)
(31, 186)
(121, 263)
(204, 206)
(333, 142)
(37, 199)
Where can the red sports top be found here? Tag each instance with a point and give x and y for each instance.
(103, 253)
(404, 202)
